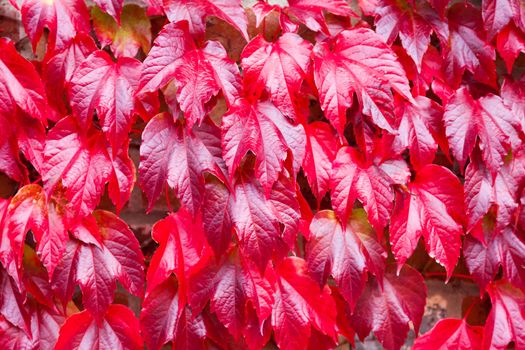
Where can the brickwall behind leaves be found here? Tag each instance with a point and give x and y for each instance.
(444, 300)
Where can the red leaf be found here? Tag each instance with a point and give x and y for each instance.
(346, 253)
(58, 69)
(12, 303)
(299, 306)
(419, 129)
(196, 12)
(216, 217)
(505, 249)
(310, 12)
(230, 285)
(63, 18)
(110, 253)
(387, 310)
(255, 223)
(117, 329)
(358, 61)
(162, 319)
(354, 177)
(498, 13)
(262, 129)
(31, 209)
(321, 149)
(20, 84)
(278, 67)
(181, 247)
(78, 159)
(510, 42)
(432, 208)
(479, 192)
(467, 47)
(172, 154)
(171, 44)
(122, 178)
(413, 22)
(451, 333)
(487, 118)
(112, 7)
(506, 320)
(512, 93)
(199, 75)
(107, 87)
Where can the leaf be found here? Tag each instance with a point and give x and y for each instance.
(479, 191)
(172, 154)
(498, 13)
(358, 61)
(58, 69)
(125, 39)
(162, 320)
(262, 129)
(345, 252)
(354, 177)
(420, 127)
(299, 306)
(387, 310)
(506, 320)
(432, 207)
(63, 18)
(198, 74)
(111, 7)
(278, 67)
(468, 48)
(20, 84)
(78, 159)
(230, 285)
(107, 87)
(510, 42)
(216, 218)
(487, 118)
(122, 179)
(12, 303)
(413, 23)
(108, 251)
(511, 94)
(255, 224)
(311, 13)
(158, 67)
(321, 149)
(31, 209)
(196, 12)
(505, 249)
(451, 333)
(119, 327)
(182, 246)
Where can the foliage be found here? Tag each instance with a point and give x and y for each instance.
(306, 169)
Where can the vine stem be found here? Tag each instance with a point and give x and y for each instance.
(443, 274)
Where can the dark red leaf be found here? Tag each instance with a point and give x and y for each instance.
(119, 328)
(387, 310)
(432, 207)
(278, 67)
(506, 320)
(358, 61)
(346, 253)
(451, 333)
(299, 306)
